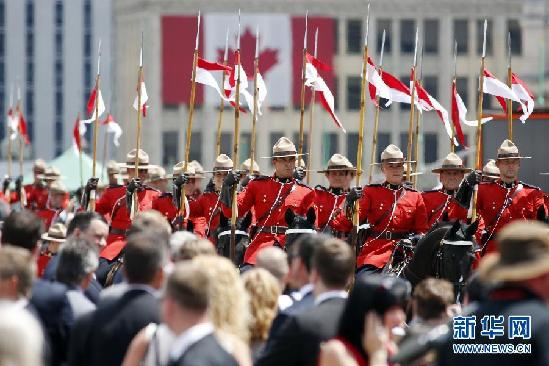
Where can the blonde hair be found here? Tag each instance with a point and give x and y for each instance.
(229, 304)
(264, 290)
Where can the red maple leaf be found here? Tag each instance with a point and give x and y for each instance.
(268, 57)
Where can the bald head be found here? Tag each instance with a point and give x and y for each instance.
(274, 260)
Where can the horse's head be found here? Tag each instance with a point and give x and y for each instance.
(299, 225)
(242, 238)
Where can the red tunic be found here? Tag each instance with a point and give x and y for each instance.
(164, 205)
(438, 202)
(328, 206)
(107, 200)
(207, 208)
(376, 204)
(121, 217)
(260, 195)
(37, 196)
(490, 200)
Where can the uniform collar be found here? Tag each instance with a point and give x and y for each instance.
(336, 191)
(449, 192)
(393, 187)
(282, 180)
(507, 185)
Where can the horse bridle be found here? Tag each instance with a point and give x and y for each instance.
(300, 231)
(228, 232)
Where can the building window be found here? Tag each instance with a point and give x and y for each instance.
(430, 83)
(59, 14)
(407, 35)
(353, 93)
(486, 99)
(406, 81)
(384, 24)
(196, 147)
(29, 44)
(430, 147)
(513, 27)
(170, 144)
(329, 146)
(461, 35)
(462, 88)
(2, 14)
(226, 146)
(336, 93)
(352, 146)
(245, 146)
(29, 15)
(354, 36)
(480, 36)
(430, 36)
(275, 136)
(336, 36)
(305, 141)
(383, 140)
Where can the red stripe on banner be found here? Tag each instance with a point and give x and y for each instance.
(212, 66)
(516, 80)
(455, 117)
(91, 102)
(319, 65)
(76, 134)
(178, 41)
(325, 52)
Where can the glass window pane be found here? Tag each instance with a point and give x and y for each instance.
(407, 35)
(354, 36)
(430, 144)
(244, 146)
(226, 143)
(403, 141)
(430, 35)
(514, 29)
(352, 146)
(430, 83)
(329, 146)
(353, 93)
(406, 80)
(305, 141)
(383, 140)
(169, 148)
(463, 90)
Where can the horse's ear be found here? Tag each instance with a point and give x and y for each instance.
(445, 217)
(190, 226)
(471, 229)
(223, 221)
(289, 217)
(454, 229)
(246, 222)
(311, 215)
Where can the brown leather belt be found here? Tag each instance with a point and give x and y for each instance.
(388, 235)
(277, 230)
(116, 231)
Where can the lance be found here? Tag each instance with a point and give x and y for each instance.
(222, 102)
(234, 207)
(135, 199)
(254, 115)
(10, 148)
(363, 87)
(95, 125)
(302, 111)
(452, 145)
(106, 143)
(376, 115)
(21, 193)
(510, 84)
(311, 117)
(411, 122)
(418, 124)
(188, 136)
(479, 122)
(80, 154)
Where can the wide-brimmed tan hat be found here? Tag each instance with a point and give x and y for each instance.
(39, 165)
(198, 169)
(490, 170)
(300, 163)
(508, 150)
(142, 160)
(58, 187)
(51, 174)
(57, 232)
(523, 253)
(338, 162)
(156, 173)
(178, 170)
(284, 147)
(392, 154)
(246, 166)
(113, 167)
(451, 162)
(223, 163)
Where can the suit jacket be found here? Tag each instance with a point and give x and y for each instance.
(298, 342)
(91, 292)
(307, 302)
(103, 337)
(53, 308)
(205, 352)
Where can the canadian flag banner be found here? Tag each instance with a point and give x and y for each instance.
(316, 83)
(114, 128)
(144, 99)
(280, 54)
(524, 93)
(91, 106)
(78, 131)
(432, 103)
(23, 128)
(460, 111)
(498, 89)
(13, 124)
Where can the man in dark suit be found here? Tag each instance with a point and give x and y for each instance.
(185, 311)
(103, 337)
(299, 338)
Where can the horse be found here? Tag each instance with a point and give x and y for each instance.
(447, 251)
(298, 225)
(242, 239)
